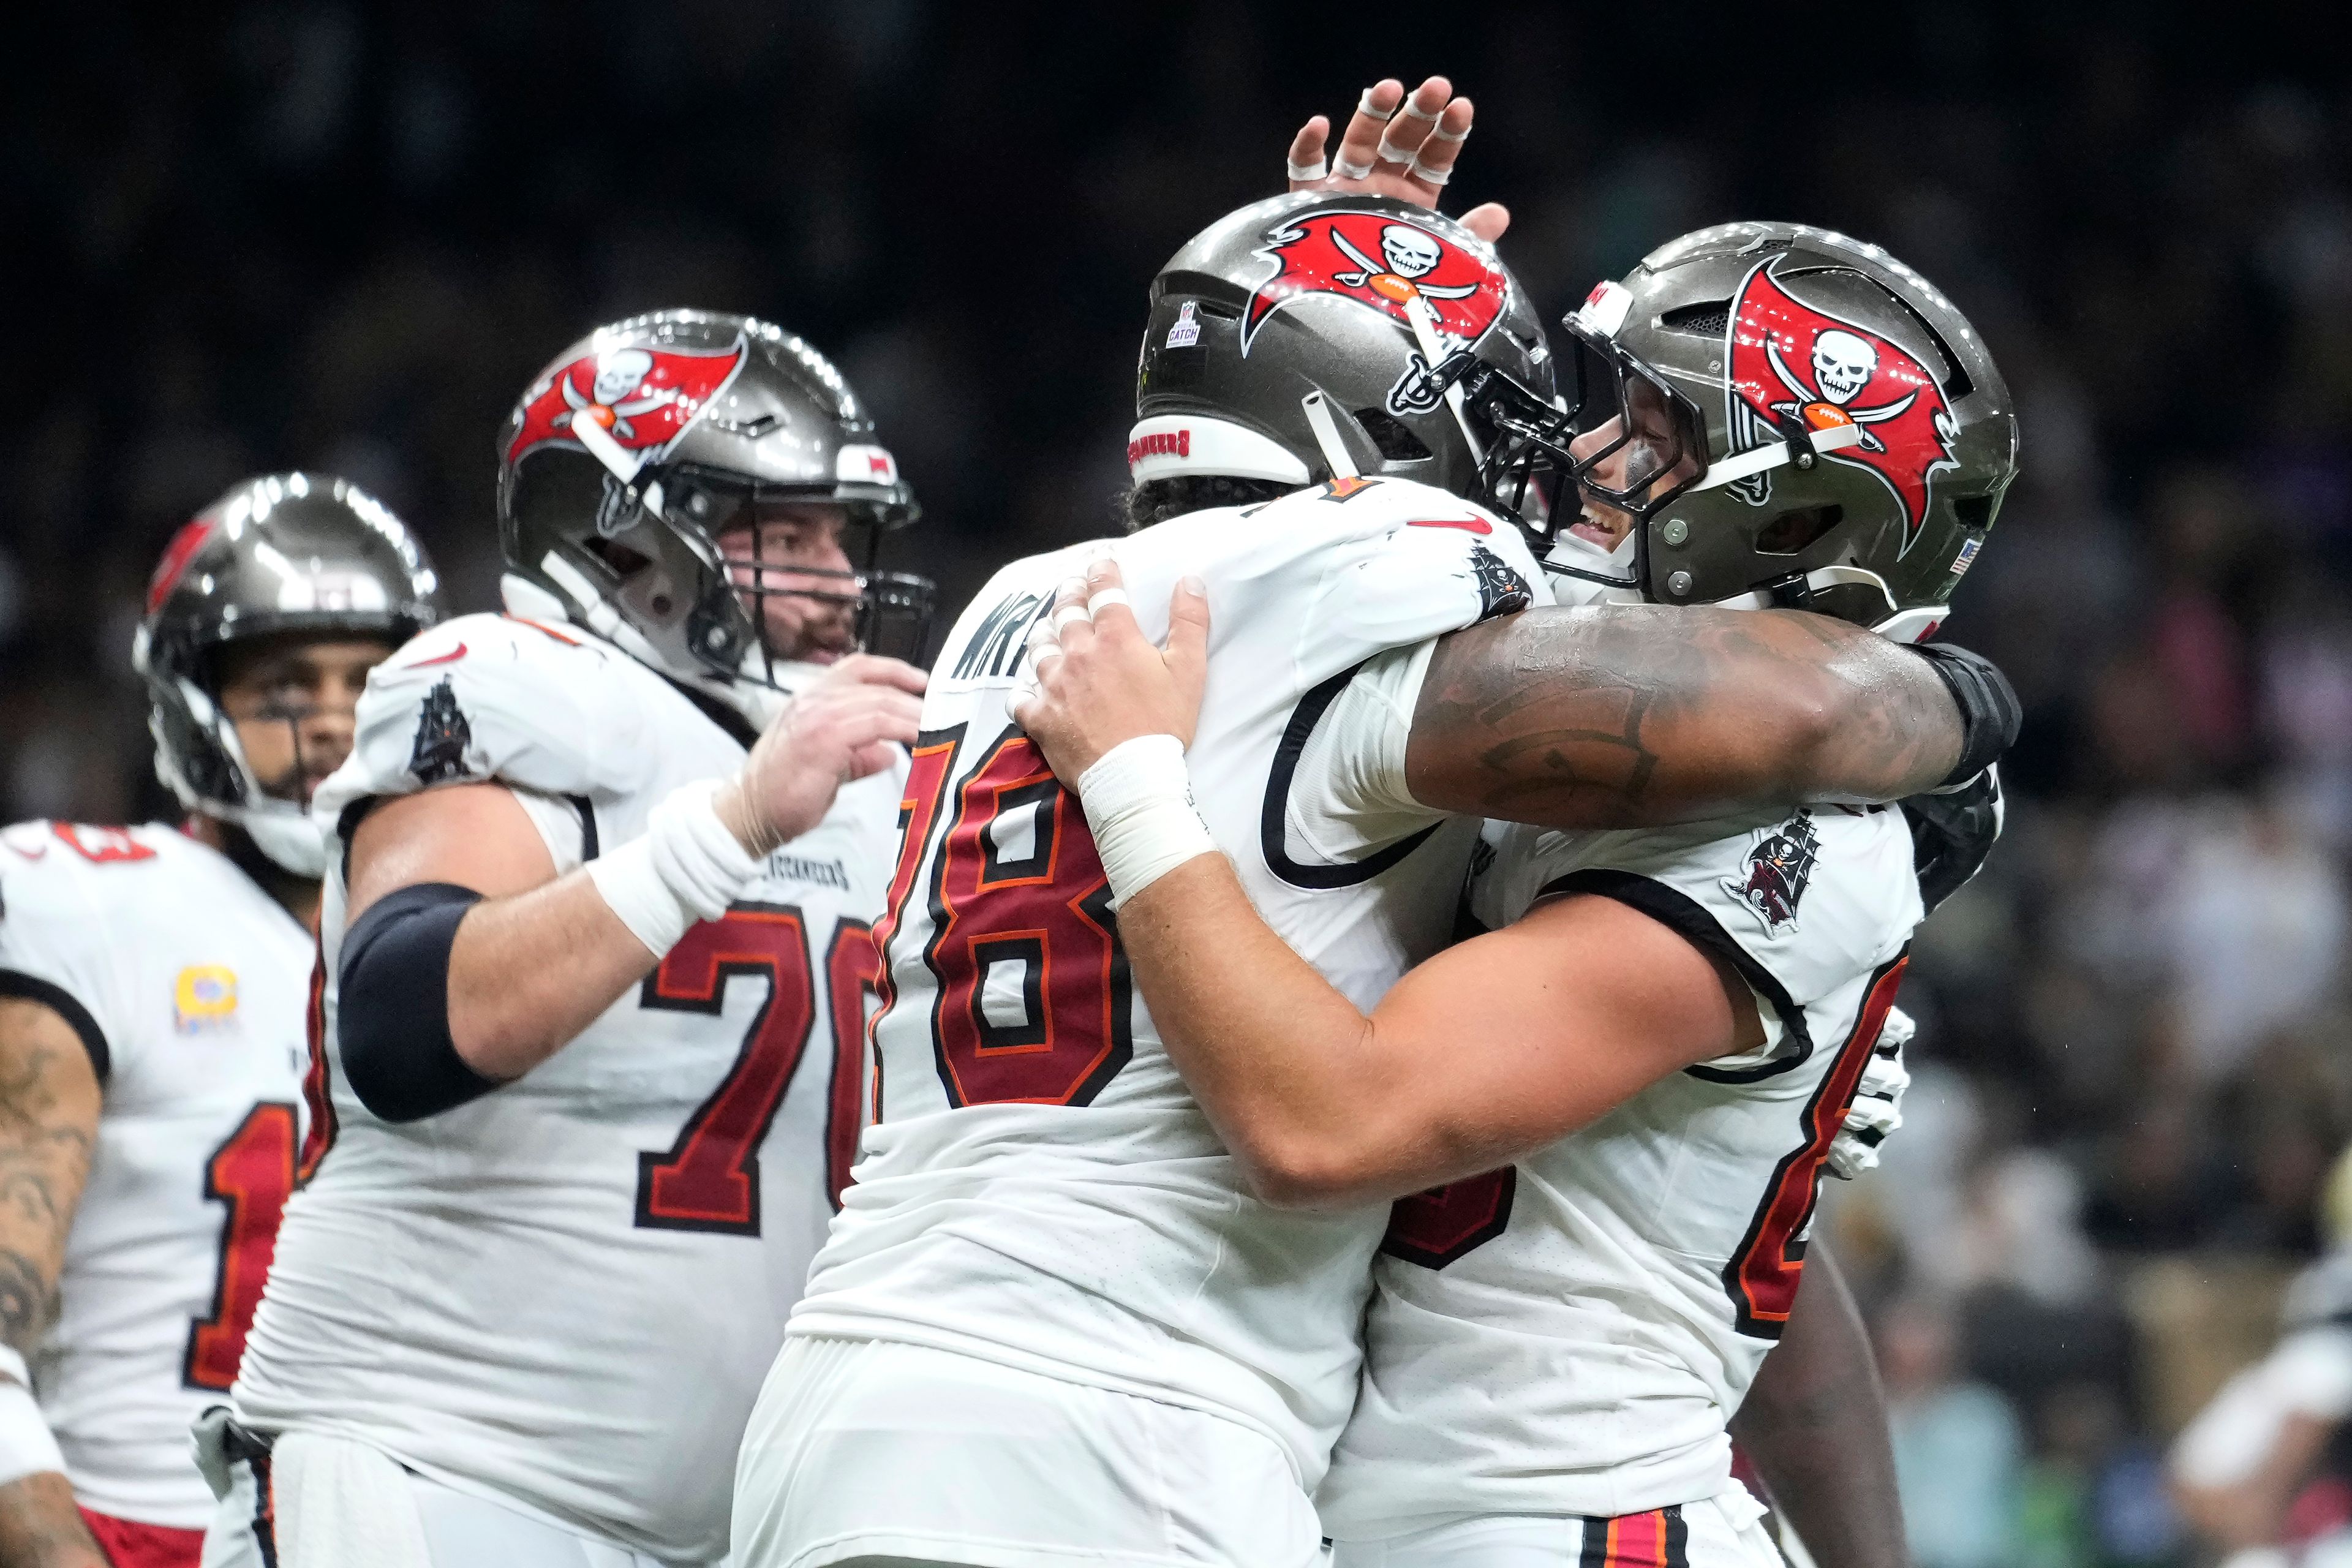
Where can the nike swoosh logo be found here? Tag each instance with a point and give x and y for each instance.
(1466, 524)
(452, 657)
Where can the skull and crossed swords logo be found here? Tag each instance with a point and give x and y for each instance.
(619, 372)
(1843, 364)
(1411, 256)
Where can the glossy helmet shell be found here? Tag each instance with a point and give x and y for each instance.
(703, 402)
(1317, 293)
(286, 553)
(1760, 324)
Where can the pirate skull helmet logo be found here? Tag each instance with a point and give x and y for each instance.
(1794, 362)
(1403, 269)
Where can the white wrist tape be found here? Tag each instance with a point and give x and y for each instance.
(27, 1448)
(686, 867)
(1139, 801)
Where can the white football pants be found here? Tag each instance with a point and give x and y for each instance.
(316, 1501)
(1722, 1531)
(866, 1454)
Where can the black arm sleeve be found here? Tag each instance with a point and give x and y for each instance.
(1989, 711)
(393, 1005)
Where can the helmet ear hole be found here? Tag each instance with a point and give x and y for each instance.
(624, 562)
(1792, 532)
(1395, 439)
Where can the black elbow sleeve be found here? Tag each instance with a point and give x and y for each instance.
(391, 1015)
(1989, 711)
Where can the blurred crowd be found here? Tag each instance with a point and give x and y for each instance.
(328, 235)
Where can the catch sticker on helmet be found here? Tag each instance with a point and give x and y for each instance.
(1792, 361)
(646, 398)
(1374, 259)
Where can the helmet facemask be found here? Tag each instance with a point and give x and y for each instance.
(1620, 433)
(661, 537)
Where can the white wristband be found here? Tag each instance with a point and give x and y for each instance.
(686, 867)
(1139, 801)
(26, 1447)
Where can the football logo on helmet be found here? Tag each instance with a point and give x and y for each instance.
(645, 397)
(1376, 260)
(1791, 360)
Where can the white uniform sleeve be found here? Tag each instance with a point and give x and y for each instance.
(1411, 562)
(489, 697)
(1799, 906)
(1418, 563)
(57, 943)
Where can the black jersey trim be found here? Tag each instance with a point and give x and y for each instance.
(1271, 838)
(587, 810)
(737, 728)
(58, 1000)
(1688, 918)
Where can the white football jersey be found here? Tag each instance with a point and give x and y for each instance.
(564, 1293)
(1041, 1189)
(1569, 1335)
(189, 985)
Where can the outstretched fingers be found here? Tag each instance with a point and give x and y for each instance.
(1360, 143)
(1307, 167)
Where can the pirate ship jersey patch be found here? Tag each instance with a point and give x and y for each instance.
(1778, 869)
(442, 735)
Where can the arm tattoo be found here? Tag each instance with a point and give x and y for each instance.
(1636, 715)
(28, 1302)
(46, 1143)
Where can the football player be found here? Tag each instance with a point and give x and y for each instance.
(1053, 1319)
(154, 990)
(596, 955)
(1613, 1109)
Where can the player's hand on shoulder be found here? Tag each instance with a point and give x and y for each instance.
(1101, 682)
(1396, 145)
(840, 730)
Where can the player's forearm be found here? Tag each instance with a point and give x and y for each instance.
(1638, 715)
(48, 1125)
(1273, 1051)
(1814, 1424)
(41, 1528)
(528, 972)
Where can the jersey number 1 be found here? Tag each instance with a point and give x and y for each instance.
(252, 1171)
(709, 1178)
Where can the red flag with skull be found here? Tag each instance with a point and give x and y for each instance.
(1376, 260)
(1789, 359)
(644, 396)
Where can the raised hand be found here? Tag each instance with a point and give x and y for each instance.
(840, 730)
(1396, 146)
(1099, 680)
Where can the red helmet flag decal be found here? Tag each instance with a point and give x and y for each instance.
(1375, 259)
(192, 538)
(646, 396)
(1789, 359)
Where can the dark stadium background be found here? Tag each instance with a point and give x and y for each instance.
(343, 237)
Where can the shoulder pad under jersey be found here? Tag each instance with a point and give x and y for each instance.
(1813, 899)
(485, 696)
(1412, 562)
(70, 896)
